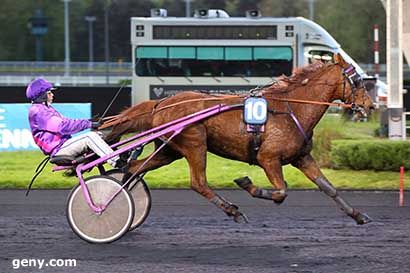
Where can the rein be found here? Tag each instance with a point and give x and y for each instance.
(196, 100)
(116, 119)
(339, 104)
(348, 75)
(113, 120)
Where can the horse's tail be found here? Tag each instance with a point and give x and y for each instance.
(140, 115)
(135, 119)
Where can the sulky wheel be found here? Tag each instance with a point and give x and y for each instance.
(107, 226)
(140, 195)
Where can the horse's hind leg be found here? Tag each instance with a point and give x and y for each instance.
(273, 170)
(310, 168)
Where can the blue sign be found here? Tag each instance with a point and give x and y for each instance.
(256, 110)
(15, 133)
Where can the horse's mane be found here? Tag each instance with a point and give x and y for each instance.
(299, 75)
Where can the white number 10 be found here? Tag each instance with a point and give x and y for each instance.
(255, 111)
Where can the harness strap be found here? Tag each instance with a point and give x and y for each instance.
(349, 105)
(299, 126)
(39, 169)
(118, 119)
(199, 100)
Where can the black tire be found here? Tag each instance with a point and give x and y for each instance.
(111, 224)
(141, 196)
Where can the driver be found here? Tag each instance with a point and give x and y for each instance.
(52, 132)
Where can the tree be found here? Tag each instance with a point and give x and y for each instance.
(279, 8)
(16, 40)
(350, 22)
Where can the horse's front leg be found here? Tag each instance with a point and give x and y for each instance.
(310, 168)
(273, 170)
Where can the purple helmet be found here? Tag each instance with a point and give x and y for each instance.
(37, 88)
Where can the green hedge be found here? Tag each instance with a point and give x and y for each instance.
(379, 155)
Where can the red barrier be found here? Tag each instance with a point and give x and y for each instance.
(401, 198)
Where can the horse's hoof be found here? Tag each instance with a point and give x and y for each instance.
(279, 201)
(240, 218)
(362, 218)
(279, 196)
(243, 182)
(233, 211)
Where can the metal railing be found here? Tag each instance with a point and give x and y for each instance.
(113, 67)
(61, 80)
(76, 68)
(81, 73)
(406, 124)
(86, 73)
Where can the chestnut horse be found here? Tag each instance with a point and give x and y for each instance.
(295, 103)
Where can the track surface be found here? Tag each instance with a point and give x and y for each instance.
(184, 233)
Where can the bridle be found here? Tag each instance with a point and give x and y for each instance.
(355, 82)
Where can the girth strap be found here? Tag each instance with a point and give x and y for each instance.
(254, 145)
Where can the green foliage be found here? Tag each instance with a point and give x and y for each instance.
(333, 127)
(16, 41)
(350, 22)
(17, 168)
(125, 82)
(279, 8)
(379, 155)
(323, 145)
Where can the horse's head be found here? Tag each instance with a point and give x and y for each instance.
(353, 90)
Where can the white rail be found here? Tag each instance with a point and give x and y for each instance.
(12, 80)
(406, 127)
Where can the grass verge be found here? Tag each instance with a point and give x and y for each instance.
(17, 168)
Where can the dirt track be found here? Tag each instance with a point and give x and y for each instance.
(186, 234)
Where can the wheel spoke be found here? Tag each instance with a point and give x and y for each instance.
(112, 223)
(140, 195)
